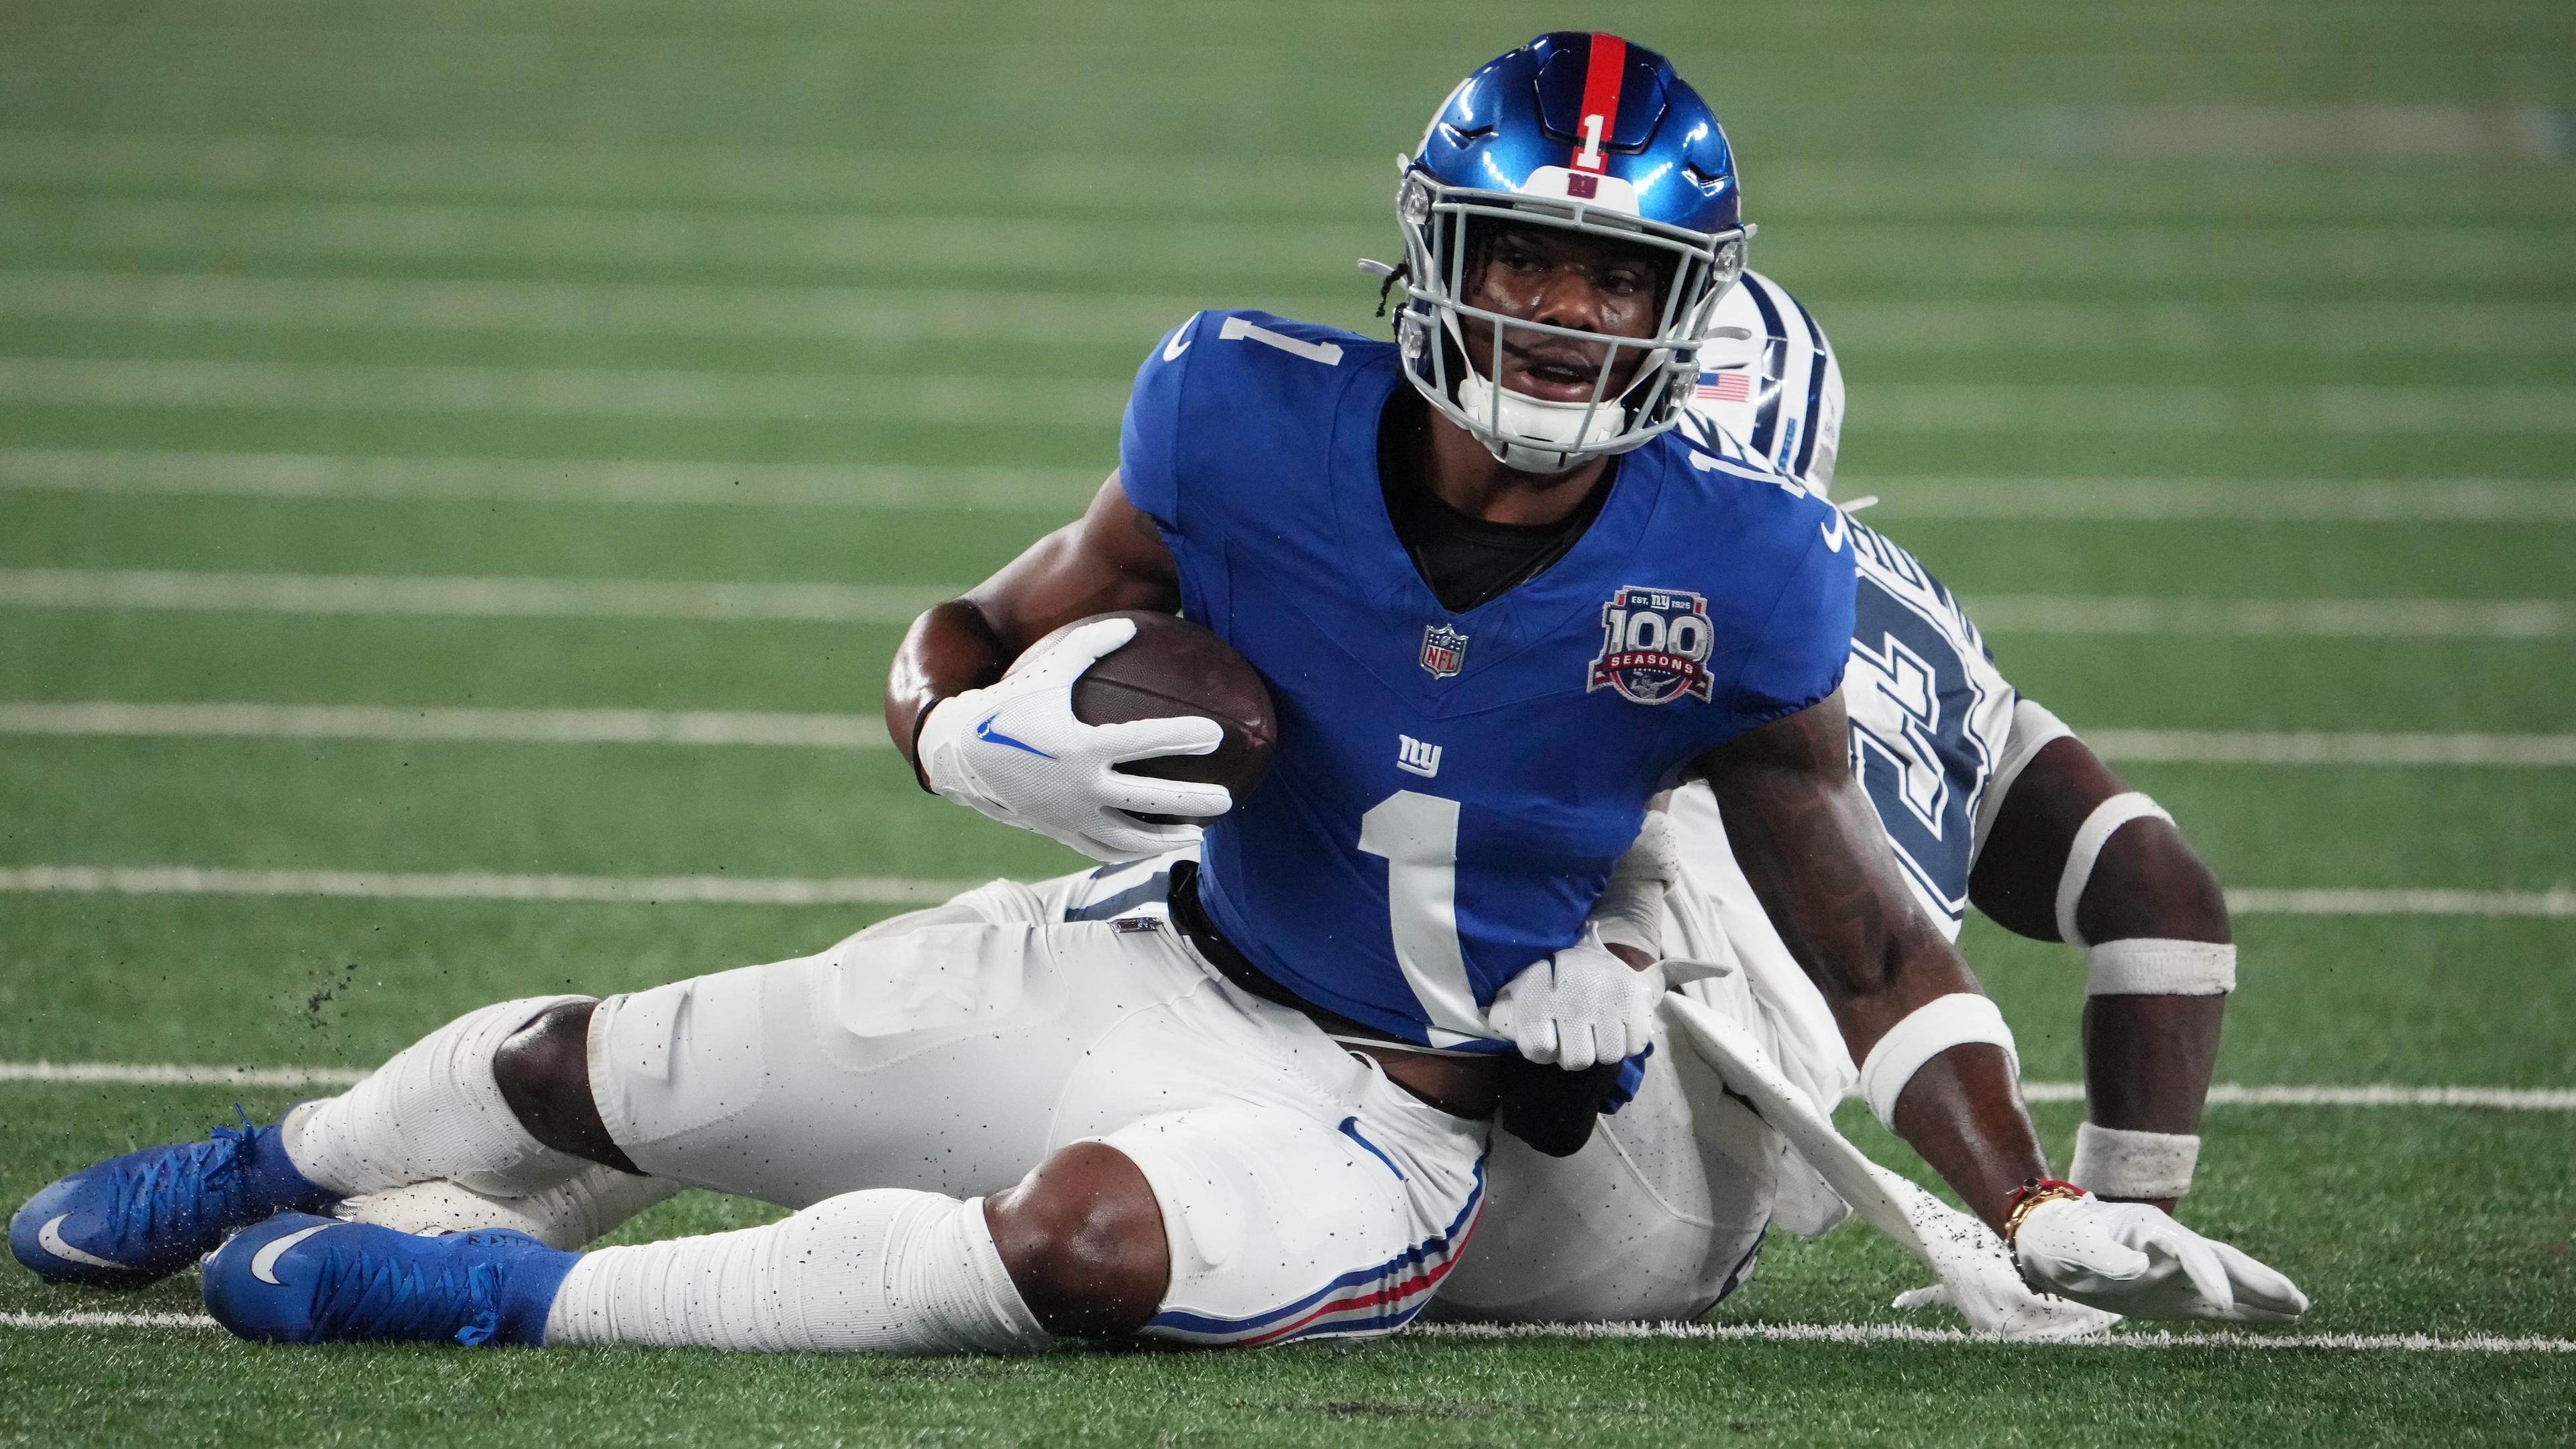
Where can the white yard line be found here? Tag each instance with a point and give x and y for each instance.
(475, 886)
(898, 603)
(860, 314)
(194, 720)
(1089, 401)
(1116, 321)
(542, 480)
(2226, 1094)
(399, 722)
(829, 890)
(2319, 747)
(1861, 1333)
(1844, 1333)
(451, 595)
(2201, 500)
(641, 481)
(2550, 904)
(171, 1074)
(298, 387)
(2275, 618)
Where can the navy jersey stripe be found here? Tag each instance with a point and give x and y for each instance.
(1815, 390)
(1766, 423)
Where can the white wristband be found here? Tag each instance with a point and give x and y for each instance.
(2090, 837)
(2144, 966)
(1926, 1032)
(2115, 1162)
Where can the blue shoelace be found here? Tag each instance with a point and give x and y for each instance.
(402, 1297)
(188, 1193)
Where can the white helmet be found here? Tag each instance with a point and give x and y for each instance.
(1769, 385)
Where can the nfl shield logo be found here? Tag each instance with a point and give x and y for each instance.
(1444, 650)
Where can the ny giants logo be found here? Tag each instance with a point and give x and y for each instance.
(1655, 645)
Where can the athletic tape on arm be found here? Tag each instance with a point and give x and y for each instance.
(2115, 1162)
(1925, 1033)
(2090, 837)
(2146, 966)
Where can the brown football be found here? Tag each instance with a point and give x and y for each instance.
(1174, 667)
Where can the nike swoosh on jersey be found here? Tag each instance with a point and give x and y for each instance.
(1834, 532)
(984, 731)
(1179, 344)
(263, 1263)
(50, 1238)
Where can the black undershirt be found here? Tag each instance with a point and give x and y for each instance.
(1466, 561)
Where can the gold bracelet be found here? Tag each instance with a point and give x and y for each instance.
(2030, 1195)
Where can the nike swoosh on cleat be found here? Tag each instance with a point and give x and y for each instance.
(265, 1260)
(50, 1238)
(985, 731)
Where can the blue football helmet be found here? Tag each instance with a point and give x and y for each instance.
(1586, 133)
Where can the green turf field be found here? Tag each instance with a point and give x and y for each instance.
(428, 361)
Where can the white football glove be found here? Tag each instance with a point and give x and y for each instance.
(1014, 751)
(1977, 1274)
(2132, 1259)
(1579, 1007)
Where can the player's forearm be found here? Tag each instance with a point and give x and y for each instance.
(1813, 850)
(951, 649)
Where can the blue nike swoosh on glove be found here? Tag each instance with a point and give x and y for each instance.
(985, 731)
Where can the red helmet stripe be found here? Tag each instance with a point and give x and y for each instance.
(1602, 73)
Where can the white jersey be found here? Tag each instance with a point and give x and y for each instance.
(1929, 711)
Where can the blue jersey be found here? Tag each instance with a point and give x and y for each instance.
(1451, 790)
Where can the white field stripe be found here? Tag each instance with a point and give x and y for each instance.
(1860, 1333)
(1143, 242)
(2316, 747)
(542, 480)
(2557, 904)
(2099, 408)
(1121, 322)
(2276, 618)
(449, 595)
(171, 1074)
(865, 732)
(898, 603)
(487, 885)
(586, 480)
(401, 722)
(558, 392)
(1852, 1333)
(851, 243)
(1073, 402)
(2226, 1094)
(2312, 328)
(1122, 319)
(553, 172)
(476, 886)
(2195, 500)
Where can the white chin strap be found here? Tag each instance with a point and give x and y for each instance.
(1527, 424)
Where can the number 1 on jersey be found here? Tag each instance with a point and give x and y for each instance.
(1417, 835)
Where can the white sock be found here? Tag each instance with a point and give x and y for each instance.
(434, 1111)
(885, 1271)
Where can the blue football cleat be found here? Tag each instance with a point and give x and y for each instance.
(302, 1279)
(133, 1219)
